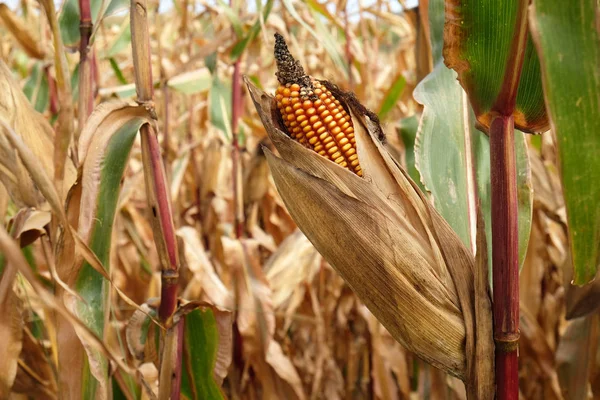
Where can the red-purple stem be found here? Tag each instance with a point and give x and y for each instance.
(170, 271)
(86, 99)
(505, 256)
(505, 233)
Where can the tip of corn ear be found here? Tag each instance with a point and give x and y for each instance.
(288, 69)
(311, 114)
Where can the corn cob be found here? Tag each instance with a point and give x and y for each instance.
(311, 113)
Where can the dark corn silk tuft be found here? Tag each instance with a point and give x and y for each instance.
(311, 113)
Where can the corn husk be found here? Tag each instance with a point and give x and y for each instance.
(389, 244)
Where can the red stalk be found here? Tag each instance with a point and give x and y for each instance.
(505, 256)
(86, 95)
(157, 190)
(505, 233)
(162, 210)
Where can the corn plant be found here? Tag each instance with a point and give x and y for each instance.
(223, 296)
(499, 70)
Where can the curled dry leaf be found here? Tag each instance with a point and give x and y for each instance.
(35, 377)
(295, 250)
(28, 224)
(141, 335)
(388, 243)
(36, 134)
(256, 322)
(205, 280)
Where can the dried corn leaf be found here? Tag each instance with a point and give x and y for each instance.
(206, 284)
(11, 332)
(28, 224)
(256, 323)
(32, 45)
(36, 134)
(35, 376)
(576, 356)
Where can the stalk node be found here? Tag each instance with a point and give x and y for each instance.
(508, 342)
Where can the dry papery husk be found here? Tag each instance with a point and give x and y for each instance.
(35, 132)
(390, 245)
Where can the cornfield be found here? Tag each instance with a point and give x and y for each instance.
(157, 175)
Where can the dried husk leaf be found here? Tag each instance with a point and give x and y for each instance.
(395, 251)
(36, 134)
(370, 252)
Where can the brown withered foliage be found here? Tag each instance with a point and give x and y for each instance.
(298, 330)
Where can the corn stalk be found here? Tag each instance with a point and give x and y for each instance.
(505, 232)
(160, 206)
(236, 113)
(86, 96)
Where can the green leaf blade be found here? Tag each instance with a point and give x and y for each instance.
(392, 96)
(453, 157)
(479, 38)
(568, 41)
(112, 155)
(201, 345)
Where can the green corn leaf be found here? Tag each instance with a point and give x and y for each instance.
(36, 88)
(240, 46)
(122, 42)
(479, 45)
(408, 134)
(220, 106)
(192, 82)
(568, 42)
(118, 73)
(69, 20)
(392, 96)
(200, 355)
(453, 157)
(106, 141)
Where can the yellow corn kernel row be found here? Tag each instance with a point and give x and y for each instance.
(321, 124)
